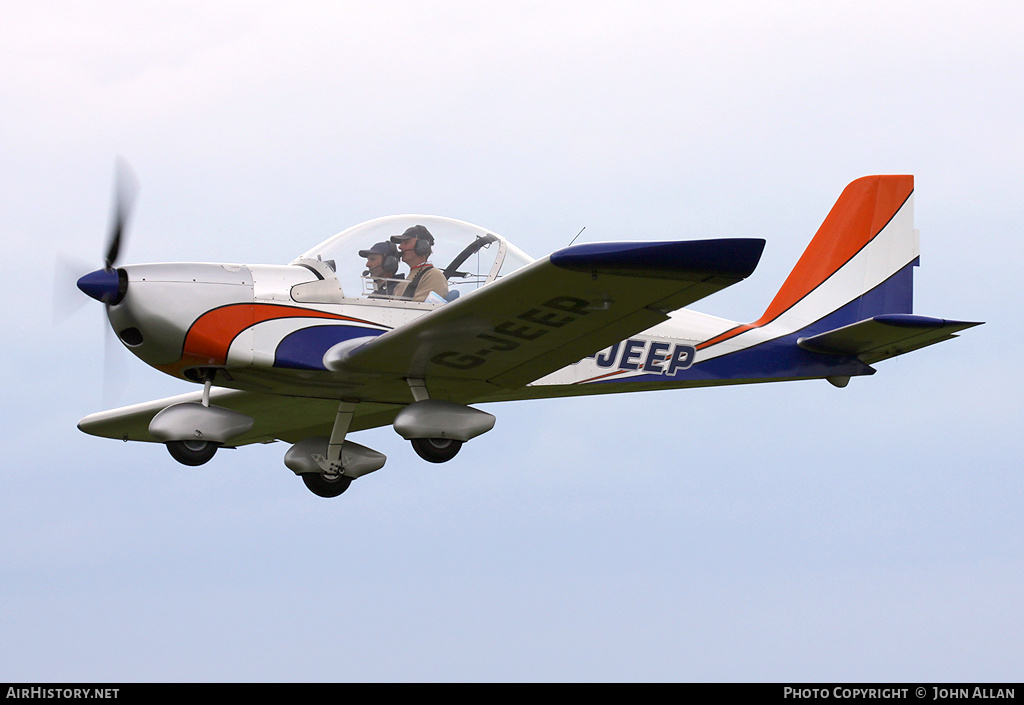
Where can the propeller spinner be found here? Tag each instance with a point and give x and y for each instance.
(106, 285)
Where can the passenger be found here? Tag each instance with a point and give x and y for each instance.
(414, 246)
(382, 267)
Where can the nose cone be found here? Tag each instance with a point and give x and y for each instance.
(106, 285)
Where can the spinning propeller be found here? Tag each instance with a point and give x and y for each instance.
(109, 285)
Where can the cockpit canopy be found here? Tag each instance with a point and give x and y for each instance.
(469, 255)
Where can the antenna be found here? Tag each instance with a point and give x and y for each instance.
(577, 235)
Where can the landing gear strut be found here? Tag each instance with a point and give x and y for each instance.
(194, 431)
(437, 428)
(328, 465)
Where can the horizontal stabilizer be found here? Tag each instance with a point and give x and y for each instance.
(884, 336)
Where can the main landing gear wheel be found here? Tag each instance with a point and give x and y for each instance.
(191, 452)
(436, 450)
(326, 485)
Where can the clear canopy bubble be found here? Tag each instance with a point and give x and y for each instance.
(469, 256)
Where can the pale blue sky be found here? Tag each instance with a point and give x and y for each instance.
(784, 532)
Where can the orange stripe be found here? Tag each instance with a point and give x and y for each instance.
(731, 333)
(594, 379)
(210, 336)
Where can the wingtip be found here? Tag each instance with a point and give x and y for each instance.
(678, 259)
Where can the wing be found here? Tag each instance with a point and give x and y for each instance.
(556, 311)
(277, 417)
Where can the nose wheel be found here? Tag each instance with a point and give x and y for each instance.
(436, 450)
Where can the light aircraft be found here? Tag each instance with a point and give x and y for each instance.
(300, 352)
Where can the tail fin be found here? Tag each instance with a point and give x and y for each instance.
(852, 291)
(859, 263)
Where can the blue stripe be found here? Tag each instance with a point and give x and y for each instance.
(304, 349)
(782, 358)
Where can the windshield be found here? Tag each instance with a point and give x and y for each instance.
(469, 256)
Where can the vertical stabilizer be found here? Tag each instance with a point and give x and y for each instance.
(858, 265)
(862, 255)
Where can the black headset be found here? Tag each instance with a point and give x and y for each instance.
(390, 261)
(424, 245)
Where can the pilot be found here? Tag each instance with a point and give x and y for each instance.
(382, 266)
(414, 246)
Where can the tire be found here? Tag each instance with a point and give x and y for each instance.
(325, 486)
(436, 450)
(191, 452)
